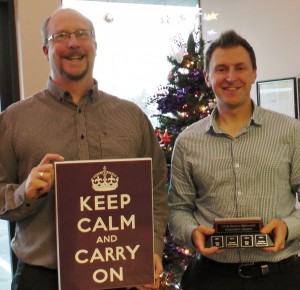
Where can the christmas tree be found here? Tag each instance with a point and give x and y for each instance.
(184, 100)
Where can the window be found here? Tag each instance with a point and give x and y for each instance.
(5, 267)
(133, 46)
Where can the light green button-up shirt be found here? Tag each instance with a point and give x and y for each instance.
(255, 174)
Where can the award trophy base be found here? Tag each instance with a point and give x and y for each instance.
(239, 233)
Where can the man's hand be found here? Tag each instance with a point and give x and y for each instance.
(279, 230)
(199, 237)
(41, 178)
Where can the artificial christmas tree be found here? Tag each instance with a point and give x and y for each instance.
(186, 98)
(183, 101)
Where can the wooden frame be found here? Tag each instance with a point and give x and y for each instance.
(9, 82)
(279, 95)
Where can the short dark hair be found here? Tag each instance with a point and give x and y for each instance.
(226, 40)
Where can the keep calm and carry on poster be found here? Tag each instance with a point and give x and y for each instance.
(104, 223)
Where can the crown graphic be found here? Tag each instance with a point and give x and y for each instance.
(105, 180)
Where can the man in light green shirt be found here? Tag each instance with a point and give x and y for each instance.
(242, 161)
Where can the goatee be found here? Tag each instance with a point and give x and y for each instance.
(74, 77)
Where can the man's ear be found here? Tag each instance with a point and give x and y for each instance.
(254, 76)
(46, 50)
(206, 78)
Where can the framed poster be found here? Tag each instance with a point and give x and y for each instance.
(279, 95)
(104, 223)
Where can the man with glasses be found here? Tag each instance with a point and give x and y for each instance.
(69, 120)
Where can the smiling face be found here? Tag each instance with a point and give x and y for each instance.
(231, 76)
(70, 59)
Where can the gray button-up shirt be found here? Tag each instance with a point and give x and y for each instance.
(100, 127)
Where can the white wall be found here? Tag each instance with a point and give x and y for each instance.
(33, 66)
(271, 27)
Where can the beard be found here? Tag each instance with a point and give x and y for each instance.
(72, 76)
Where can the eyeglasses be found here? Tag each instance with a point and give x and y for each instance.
(79, 34)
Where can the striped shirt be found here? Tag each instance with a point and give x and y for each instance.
(101, 126)
(255, 174)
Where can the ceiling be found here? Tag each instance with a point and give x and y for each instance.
(189, 3)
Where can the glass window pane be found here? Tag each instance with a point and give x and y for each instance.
(133, 46)
(5, 266)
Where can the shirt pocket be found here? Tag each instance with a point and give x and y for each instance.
(118, 145)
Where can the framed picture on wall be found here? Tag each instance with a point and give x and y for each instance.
(278, 95)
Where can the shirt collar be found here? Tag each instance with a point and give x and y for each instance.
(63, 95)
(257, 115)
(256, 119)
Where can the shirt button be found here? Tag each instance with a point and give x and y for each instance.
(237, 165)
(82, 136)
(239, 193)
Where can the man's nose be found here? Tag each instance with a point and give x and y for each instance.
(231, 75)
(73, 41)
